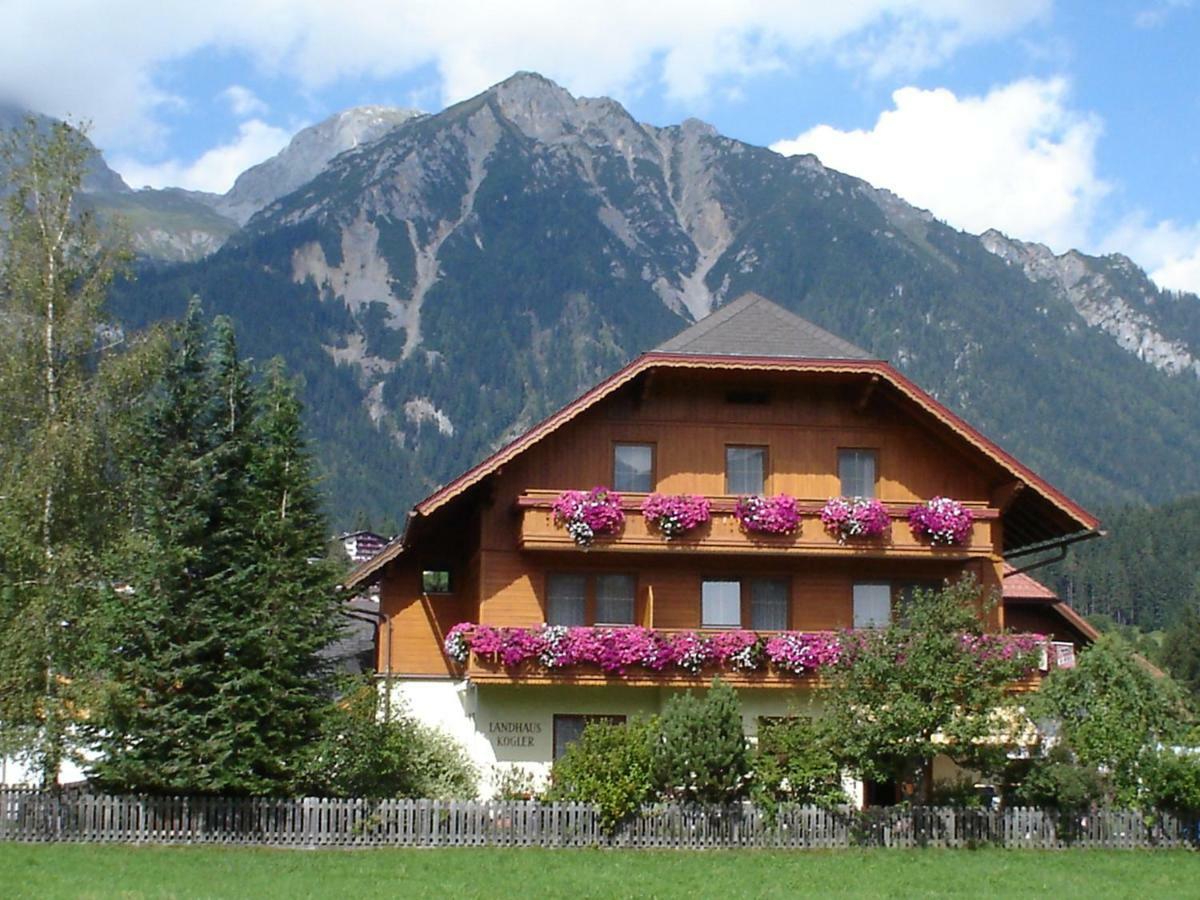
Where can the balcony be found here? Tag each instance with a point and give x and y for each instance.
(642, 657)
(722, 534)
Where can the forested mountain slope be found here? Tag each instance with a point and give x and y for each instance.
(448, 284)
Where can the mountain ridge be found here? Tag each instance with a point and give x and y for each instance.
(447, 284)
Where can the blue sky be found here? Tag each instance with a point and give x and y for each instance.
(1072, 123)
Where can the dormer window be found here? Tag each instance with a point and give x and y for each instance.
(633, 468)
(745, 470)
(856, 469)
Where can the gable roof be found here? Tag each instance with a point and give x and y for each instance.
(730, 331)
(1019, 586)
(754, 326)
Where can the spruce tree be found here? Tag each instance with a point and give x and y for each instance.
(217, 686)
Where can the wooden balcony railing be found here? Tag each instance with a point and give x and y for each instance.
(723, 534)
(637, 657)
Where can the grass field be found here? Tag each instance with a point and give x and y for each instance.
(135, 872)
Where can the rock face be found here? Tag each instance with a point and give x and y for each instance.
(305, 156)
(450, 282)
(1110, 294)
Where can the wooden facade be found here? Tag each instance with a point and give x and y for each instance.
(751, 379)
(499, 543)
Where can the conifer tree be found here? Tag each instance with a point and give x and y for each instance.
(217, 686)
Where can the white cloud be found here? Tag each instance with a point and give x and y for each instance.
(215, 170)
(105, 60)
(1017, 159)
(243, 102)
(1169, 251)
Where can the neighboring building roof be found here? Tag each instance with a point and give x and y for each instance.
(754, 326)
(1019, 586)
(662, 358)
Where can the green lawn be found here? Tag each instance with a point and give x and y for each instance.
(134, 872)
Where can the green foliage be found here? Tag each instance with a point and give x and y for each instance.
(795, 762)
(513, 782)
(905, 693)
(1145, 572)
(1056, 780)
(1172, 780)
(610, 765)
(1181, 651)
(65, 395)
(363, 751)
(1111, 710)
(701, 754)
(211, 678)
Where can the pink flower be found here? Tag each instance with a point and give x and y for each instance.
(587, 515)
(941, 521)
(854, 517)
(675, 514)
(768, 515)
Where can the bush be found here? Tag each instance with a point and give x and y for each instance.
(1057, 780)
(361, 755)
(1172, 781)
(610, 765)
(701, 754)
(795, 763)
(513, 783)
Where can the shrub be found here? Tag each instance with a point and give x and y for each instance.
(701, 754)
(1113, 712)
(795, 762)
(1057, 780)
(513, 783)
(359, 754)
(1172, 781)
(610, 766)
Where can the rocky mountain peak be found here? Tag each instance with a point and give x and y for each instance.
(306, 155)
(1099, 290)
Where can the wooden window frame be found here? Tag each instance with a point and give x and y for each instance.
(590, 594)
(874, 451)
(765, 448)
(741, 583)
(653, 445)
(748, 599)
(449, 591)
(891, 586)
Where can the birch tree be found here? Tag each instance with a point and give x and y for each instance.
(63, 388)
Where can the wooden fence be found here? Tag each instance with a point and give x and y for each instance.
(33, 816)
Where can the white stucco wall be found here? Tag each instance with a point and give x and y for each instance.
(504, 726)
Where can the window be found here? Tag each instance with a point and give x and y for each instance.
(903, 596)
(614, 599)
(721, 604)
(856, 469)
(435, 581)
(578, 599)
(633, 468)
(872, 605)
(569, 728)
(566, 600)
(769, 604)
(745, 470)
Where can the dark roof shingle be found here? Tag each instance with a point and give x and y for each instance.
(754, 326)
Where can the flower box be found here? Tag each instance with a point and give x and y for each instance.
(588, 515)
(854, 517)
(942, 522)
(675, 514)
(768, 515)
